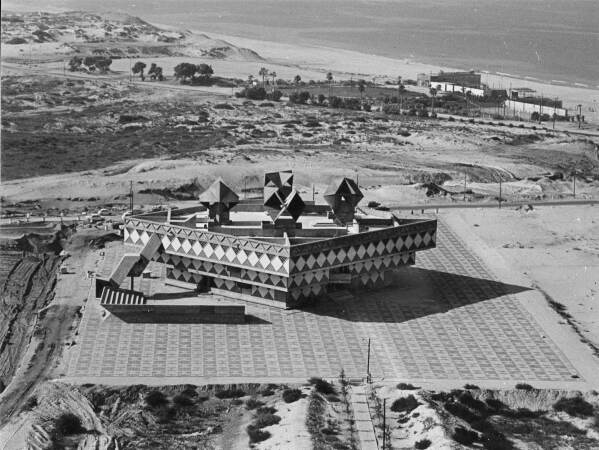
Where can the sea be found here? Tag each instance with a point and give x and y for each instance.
(552, 41)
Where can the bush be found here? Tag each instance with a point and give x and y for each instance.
(323, 386)
(275, 96)
(494, 403)
(156, 399)
(67, 424)
(257, 435)
(495, 440)
(301, 97)
(335, 102)
(471, 386)
(524, 387)
(422, 444)
(183, 400)
(230, 393)
(266, 420)
(291, 395)
(31, 403)
(405, 386)
(254, 93)
(575, 406)
(266, 410)
(461, 411)
(464, 436)
(253, 403)
(405, 404)
(467, 399)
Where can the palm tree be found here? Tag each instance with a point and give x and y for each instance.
(330, 80)
(361, 88)
(263, 73)
(273, 75)
(433, 93)
(400, 89)
(297, 80)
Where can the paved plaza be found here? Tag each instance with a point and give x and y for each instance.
(445, 318)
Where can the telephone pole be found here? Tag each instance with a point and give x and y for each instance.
(131, 196)
(368, 362)
(384, 423)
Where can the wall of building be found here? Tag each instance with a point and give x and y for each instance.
(524, 110)
(449, 87)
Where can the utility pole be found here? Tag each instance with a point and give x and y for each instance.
(574, 182)
(579, 115)
(368, 362)
(464, 186)
(131, 196)
(499, 191)
(384, 423)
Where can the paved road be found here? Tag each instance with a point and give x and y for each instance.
(429, 206)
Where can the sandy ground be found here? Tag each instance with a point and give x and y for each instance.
(556, 248)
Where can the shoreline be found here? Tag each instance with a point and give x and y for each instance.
(342, 61)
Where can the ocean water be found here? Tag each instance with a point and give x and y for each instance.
(543, 39)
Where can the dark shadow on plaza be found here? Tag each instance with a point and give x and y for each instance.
(413, 293)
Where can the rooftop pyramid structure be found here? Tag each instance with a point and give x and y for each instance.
(343, 195)
(219, 199)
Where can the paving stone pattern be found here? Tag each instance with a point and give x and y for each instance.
(445, 318)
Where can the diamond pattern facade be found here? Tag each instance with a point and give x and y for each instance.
(287, 274)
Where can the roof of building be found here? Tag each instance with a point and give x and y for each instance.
(218, 192)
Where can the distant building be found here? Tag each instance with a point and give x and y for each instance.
(522, 92)
(466, 79)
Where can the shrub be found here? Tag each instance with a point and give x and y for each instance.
(253, 403)
(575, 406)
(67, 424)
(404, 386)
(461, 411)
(266, 420)
(31, 403)
(405, 404)
(335, 102)
(275, 96)
(156, 399)
(183, 400)
(268, 392)
(524, 387)
(471, 386)
(495, 440)
(422, 444)
(291, 395)
(482, 425)
(322, 386)
(266, 410)
(254, 93)
(257, 435)
(467, 399)
(230, 393)
(464, 436)
(494, 403)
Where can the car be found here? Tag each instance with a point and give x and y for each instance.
(103, 212)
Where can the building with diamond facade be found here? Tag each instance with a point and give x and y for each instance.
(283, 251)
